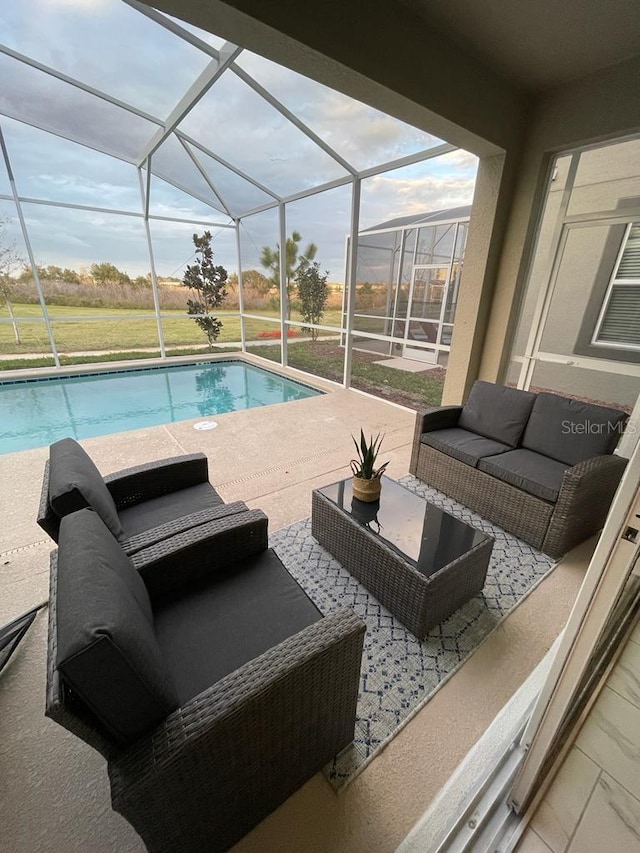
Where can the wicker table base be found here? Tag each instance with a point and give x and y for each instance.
(421, 588)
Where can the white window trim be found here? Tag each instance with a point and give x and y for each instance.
(615, 282)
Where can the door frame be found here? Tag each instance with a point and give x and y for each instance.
(409, 348)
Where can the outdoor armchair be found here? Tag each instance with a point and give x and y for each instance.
(201, 671)
(141, 505)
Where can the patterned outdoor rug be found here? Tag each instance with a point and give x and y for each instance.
(400, 673)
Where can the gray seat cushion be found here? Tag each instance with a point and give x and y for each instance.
(571, 431)
(143, 516)
(466, 446)
(217, 624)
(76, 483)
(107, 651)
(497, 412)
(538, 475)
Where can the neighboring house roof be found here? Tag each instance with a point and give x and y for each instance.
(430, 217)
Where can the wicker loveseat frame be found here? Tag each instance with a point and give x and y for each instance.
(554, 528)
(216, 766)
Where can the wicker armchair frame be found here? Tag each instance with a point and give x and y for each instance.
(215, 767)
(143, 483)
(580, 511)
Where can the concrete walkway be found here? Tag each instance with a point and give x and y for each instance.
(55, 794)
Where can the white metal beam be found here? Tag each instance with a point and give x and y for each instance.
(182, 188)
(208, 222)
(134, 214)
(330, 185)
(351, 281)
(173, 27)
(243, 338)
(32, 260)
(230, 166)
(205, 176)
(159, 18)
(293, 118)
(144, 197)
(284, 294)
(77, 84)
(409, 160)
(129, 108)
(194, 93)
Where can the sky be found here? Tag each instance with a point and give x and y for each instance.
(113, 48)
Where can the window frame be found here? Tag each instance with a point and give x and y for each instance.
(616, 282)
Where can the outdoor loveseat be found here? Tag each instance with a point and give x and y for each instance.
(202, 673)
(141, 505)
(539, 465)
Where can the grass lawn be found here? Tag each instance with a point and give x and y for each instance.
(128, 336)
(122, 329)
(326, 359)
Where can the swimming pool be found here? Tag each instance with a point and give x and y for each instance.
(37, 412)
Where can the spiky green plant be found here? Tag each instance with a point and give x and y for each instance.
(363, 466)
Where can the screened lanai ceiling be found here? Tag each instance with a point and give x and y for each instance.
(233, 130)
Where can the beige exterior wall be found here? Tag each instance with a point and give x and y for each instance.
(607, 178)
(601, 107)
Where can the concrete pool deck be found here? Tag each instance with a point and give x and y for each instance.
(55, 793)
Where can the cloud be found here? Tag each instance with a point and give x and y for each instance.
(112, 47)
(88, 7)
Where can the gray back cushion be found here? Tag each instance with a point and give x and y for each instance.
(571, 431)
(76, 483)
(497, 412)
(107, 651)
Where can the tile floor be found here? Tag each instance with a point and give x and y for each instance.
(593, 804)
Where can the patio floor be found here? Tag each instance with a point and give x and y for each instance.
(55, 792)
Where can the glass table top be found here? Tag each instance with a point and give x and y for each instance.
(425, 535)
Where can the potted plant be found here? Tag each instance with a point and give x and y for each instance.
(366, 477)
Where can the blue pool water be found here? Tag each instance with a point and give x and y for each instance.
(37, 412)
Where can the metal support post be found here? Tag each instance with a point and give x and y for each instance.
(284, 296)
(351, 281)
(144, 195)
(32, 260)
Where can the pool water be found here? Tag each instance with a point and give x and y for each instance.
(37, 412)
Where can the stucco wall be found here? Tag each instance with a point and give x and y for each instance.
(597, 108)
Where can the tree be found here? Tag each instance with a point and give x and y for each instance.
(251, 280)
(142, 280)
(312, 293)
(270, 260)
(53, 273)
(106, 273)
(208, 283)
(9, 261)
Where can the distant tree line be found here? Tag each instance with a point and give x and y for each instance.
(102, 273)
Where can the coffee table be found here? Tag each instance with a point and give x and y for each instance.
(419, 561)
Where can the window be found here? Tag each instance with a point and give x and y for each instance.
(619, 321)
